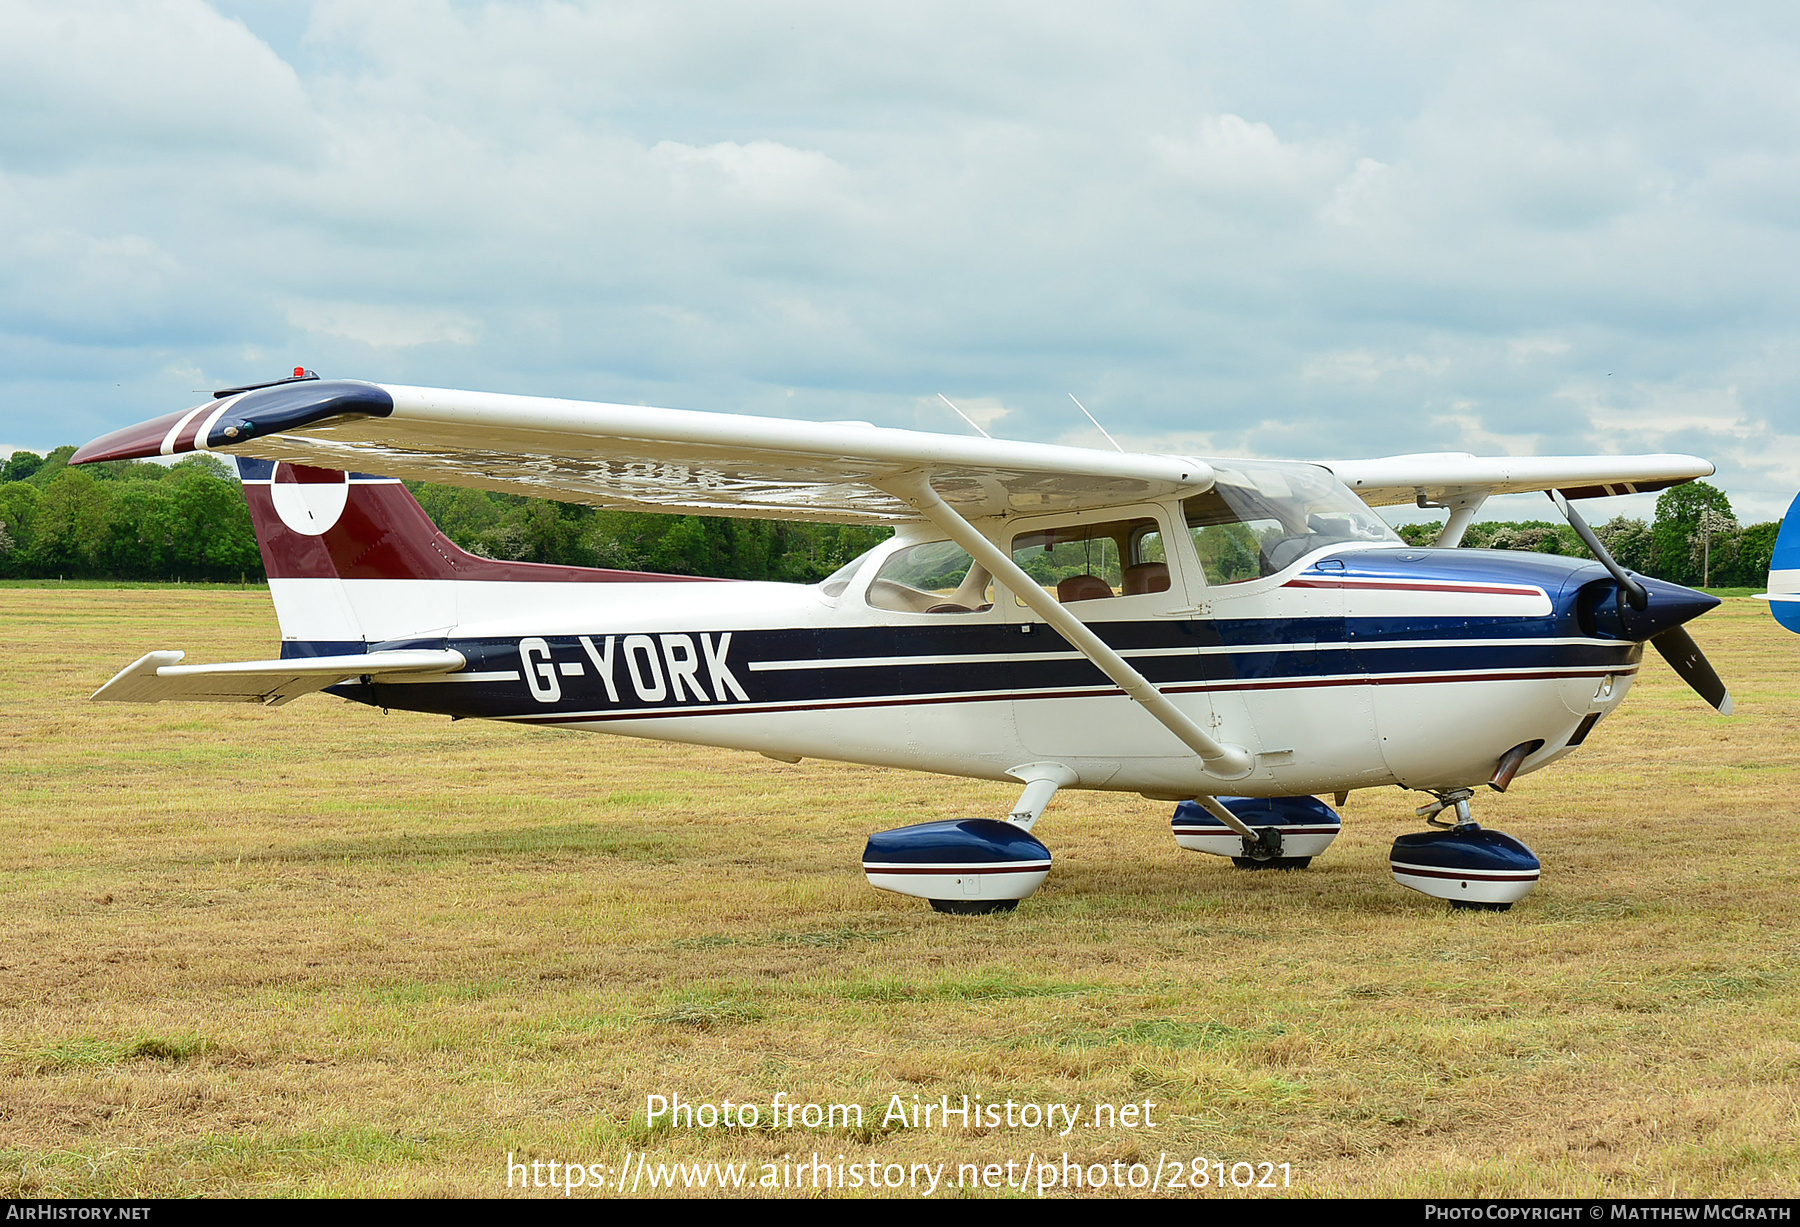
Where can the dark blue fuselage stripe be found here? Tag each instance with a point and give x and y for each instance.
(583, 695)
(1304, 683)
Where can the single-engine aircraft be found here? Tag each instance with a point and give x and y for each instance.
(1238, 636)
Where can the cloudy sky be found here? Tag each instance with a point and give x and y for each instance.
(1286, 230)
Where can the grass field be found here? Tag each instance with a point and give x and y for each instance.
(319, 950)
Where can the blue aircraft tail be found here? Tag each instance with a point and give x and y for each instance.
(1784, 571)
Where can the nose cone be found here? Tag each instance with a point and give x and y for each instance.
(1669, 605)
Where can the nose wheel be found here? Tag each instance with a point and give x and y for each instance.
(973, 907)
(1470, 868)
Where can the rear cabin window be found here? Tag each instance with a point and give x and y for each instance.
(835, 583)
(1092, 562)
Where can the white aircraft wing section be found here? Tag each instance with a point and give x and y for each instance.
(647, 459)
(1441, 476)
(159, 675)
(674, 460)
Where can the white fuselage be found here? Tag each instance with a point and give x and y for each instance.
(1351, 667)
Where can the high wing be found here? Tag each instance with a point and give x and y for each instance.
(1439, 477)
(646, 459)
(672, 460)
(156, 676)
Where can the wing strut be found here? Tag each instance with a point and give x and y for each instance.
(1463, 506)
(1227, 762)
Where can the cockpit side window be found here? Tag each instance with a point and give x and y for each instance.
(834, 584)
(935, 577)
(1260, 518)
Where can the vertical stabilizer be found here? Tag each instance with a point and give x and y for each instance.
(354, 560)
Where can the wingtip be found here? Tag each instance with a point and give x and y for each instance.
(139, 441)
(129, 680)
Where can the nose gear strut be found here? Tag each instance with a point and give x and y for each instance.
(1457, 799)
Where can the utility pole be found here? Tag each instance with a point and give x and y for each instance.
(1706, 547)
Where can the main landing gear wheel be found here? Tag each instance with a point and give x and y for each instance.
(1279, 862)
(971, 866)
(964, 867)
(973, 907)
(1292, 830)
(1457, 905)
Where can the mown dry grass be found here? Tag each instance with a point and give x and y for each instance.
(320, 950)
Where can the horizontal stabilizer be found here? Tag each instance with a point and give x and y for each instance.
(158, 676)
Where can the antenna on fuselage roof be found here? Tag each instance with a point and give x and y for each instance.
(965, 417)
(1097, 425)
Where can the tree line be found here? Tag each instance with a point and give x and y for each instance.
(1694, 539)
(133, 520)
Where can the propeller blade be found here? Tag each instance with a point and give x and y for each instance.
(1634, 591)
(1685, 657)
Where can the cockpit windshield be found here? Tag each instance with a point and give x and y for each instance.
(1261, 516)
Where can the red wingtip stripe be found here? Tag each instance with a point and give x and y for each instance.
(137, 442)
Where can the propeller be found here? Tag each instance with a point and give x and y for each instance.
(1672, 641)
(1684, 656)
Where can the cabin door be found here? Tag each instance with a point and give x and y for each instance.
(1116, 574)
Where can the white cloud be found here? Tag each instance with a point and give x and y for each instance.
(1230, 154)
(1474, 434)
(985, 411)
(1357, 196)
(383, 327)
(1365, 366)
(761, 172)
(140, 79)
(1269, 230)
(1529, 349)
(1759, 460)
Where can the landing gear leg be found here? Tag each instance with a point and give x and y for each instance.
(1457, 799)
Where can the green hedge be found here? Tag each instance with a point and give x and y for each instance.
(132, 520)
